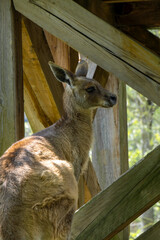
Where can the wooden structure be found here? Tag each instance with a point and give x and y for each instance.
(113, 34)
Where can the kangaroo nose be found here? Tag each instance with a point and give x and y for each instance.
(113, 99)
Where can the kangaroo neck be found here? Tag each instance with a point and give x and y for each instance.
(79, 134)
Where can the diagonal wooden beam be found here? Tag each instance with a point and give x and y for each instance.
(39, 104)
(125, 1)
(44, 55)
(144, 13)
(146, 38)
(118, 205)
(63, 55)
(102, 43)
(35, 114)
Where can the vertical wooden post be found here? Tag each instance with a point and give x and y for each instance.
(110, 149)
(11, 85)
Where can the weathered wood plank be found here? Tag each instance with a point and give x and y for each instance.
(63, 55)
(144, 13)
(129, 1)
(110, 151)
(11, 77)
(108, 47)
(39, 104)
(128, 197)
(44, 55)
(37, 118)
(146, 38)
(91, 180)
(153, 233)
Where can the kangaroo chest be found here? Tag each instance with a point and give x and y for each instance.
(81, 146)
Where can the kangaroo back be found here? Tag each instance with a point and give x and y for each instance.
(39, 174)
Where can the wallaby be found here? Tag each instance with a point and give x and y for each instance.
(39, 174)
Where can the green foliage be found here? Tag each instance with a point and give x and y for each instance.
(143, 125)
(143, 136)
(155, 31)
(135, 234)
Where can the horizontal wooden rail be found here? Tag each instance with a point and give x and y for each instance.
(127, 198)
(152, 233)
(101, 42)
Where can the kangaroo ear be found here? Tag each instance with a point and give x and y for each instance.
(61, 74)
(82, 69)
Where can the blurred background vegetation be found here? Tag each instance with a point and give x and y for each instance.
(143, 136)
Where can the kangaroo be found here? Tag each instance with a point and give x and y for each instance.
(39, 174)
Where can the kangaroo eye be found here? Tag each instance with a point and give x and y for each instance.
(90, 89)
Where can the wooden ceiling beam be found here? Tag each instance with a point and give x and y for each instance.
(127, 1)
(102, 43)
(144, 14)
(146, 38)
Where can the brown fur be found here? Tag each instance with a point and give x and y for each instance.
(39, 174)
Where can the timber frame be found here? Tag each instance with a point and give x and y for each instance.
(114, 36)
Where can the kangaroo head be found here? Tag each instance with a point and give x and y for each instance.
(86, 93)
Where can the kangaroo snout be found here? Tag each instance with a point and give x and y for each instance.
(110, 100)
(113, 99)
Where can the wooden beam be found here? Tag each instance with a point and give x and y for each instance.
(122, 202)
(108, 47)
(142, 13)
(91, 180)
(146, 38)
(63, 55)
(39, 104)
(44, 56)
(127, 1)
(152, 233)
(11, 77)
(35, 113)
(110, 149)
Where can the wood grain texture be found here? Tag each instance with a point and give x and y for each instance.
(11, 78)
(63, 55)
(144, 13)
(44, 55)
(115, 207)
(110, 151)
(39, 104)
(126, 1)
(90, 178)
(37, 118)
(108, 47)
(153, 233)
(146, 38)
